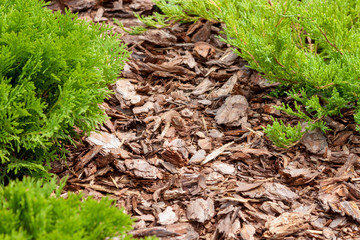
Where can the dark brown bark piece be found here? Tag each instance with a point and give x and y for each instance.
(87, 157)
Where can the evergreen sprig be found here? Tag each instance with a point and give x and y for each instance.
(283, 135)
(156, 21)
(134, 30)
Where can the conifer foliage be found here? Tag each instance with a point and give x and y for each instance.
(33, 209)
(54, 71)
(311, 46)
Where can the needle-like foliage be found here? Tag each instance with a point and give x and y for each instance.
(311, 45)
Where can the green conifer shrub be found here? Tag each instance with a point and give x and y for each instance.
(311, 46)
(54, 71)
(31, 209)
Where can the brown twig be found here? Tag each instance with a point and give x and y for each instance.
(284, 12)
(278, 62)
(280, 20)
(253, 58)
(332, 44)
(310, 44)
(325, 86)
(300, 31)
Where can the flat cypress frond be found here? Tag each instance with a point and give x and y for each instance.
(33, 209)
(54, 71)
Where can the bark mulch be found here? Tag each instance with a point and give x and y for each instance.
(184, 151)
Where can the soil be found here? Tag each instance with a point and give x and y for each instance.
(184, 150)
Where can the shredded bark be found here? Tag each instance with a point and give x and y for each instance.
(184, 151)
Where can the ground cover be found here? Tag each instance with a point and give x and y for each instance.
(308, 46)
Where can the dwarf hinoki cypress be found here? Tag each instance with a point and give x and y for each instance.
(54, 71)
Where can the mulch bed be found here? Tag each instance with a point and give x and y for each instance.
(184, 150)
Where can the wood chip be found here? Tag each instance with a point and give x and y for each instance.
(216, 153)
